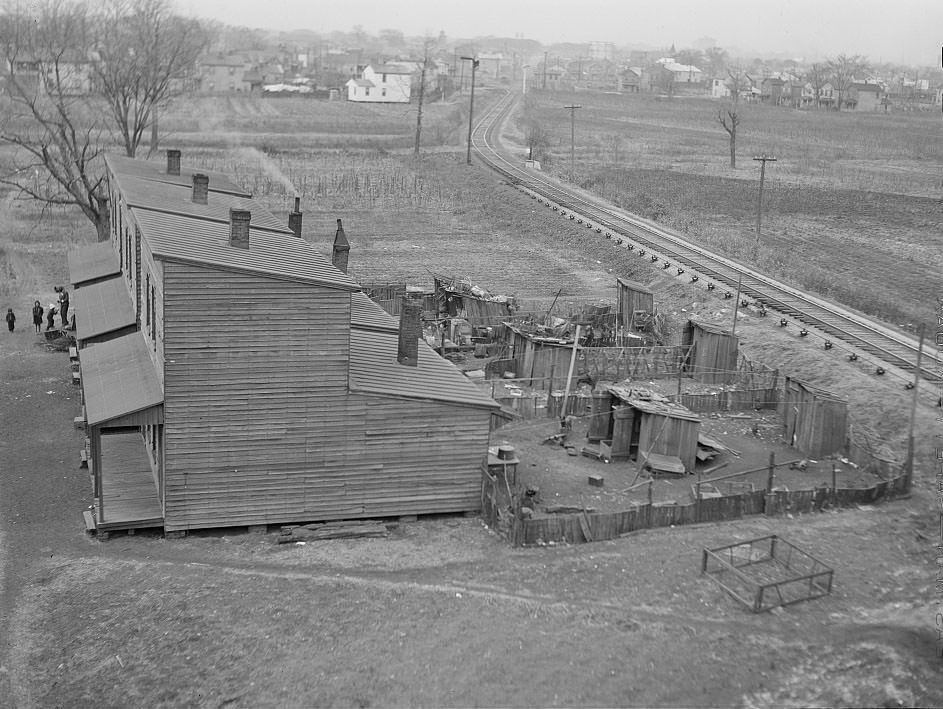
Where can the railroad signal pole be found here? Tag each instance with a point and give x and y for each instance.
(471, 105)
(572, 109)
(762, 159)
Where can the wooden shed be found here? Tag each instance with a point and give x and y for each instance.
(713, 353)
(631, 299)
(640, 427)
(815, 421)
(248, 381)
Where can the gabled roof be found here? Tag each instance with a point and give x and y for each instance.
(155, 170)
(374, 369)
(390, 69)
(174, 237)
(118, 378)
(366, 83)
(368, 315)
(178, 199)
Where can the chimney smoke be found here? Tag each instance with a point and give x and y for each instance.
(201, 188)
(173, 162)
(341, 251)
(239, 228)
(410, 330)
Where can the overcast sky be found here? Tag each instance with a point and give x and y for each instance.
(909, 31)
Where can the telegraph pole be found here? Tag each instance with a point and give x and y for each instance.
(762, 159)
(545, 71)
(471, 105)
(572, 109)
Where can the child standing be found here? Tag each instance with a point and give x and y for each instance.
(37, 316)
(11, 319)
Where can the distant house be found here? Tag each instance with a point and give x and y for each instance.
(230, 73)
(632, 79)
(381, 84)
(864, 96)
(720, 88)
(772, 90)
(682, 73)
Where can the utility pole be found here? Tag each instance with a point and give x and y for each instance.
(524, 83)
(545, 71)
(471, 105)
(572, 109)
(762, 159)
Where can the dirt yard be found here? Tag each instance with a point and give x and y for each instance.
(443, 612)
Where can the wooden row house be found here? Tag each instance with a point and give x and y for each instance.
(257, 384)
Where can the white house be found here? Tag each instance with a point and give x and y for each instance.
(381, 84)
(719, 88)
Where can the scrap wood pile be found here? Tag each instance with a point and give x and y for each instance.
(332, 530)
(59, 340)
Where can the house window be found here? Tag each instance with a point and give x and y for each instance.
(384, 78)
(366, 91)
(384, 92)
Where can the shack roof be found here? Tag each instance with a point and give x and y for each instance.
(657, 408)
(103, 307)
(368, 315)
(374, 369)
(156, 170)
(713, 329)
(178, 199)
(93, 262)
(816, 391)
(632, 285)
(118, 378)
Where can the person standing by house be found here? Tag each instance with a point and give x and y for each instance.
(51, 316)
(64, 306)
(11, 319)
(37, 316)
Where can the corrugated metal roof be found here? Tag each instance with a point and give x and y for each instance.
(118, 378)
(156, 171)
(102, 307)
(180, 238)
(368, 315)
(176, 199)
(92, 262)
(373, 368)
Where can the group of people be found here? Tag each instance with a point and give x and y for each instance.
(60, 308)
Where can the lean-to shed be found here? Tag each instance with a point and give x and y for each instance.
(631, 299)
(258, 384)
(815, 420)
(712, 354)
(639, 427)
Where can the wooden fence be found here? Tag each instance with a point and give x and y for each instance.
(577, 528)
(731, 400)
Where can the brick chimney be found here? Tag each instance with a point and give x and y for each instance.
(409, 332)
(173, 162)
(294, 218)
(341, 250)
(239, 228)
(201, 188)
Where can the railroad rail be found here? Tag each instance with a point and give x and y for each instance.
(682, 258)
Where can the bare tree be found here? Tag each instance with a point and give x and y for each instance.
(728, 115)
(817, 76)
(842, 71)
(48, 120)
(427, 46)
(536, 135)
(145, 59)
(74, 76)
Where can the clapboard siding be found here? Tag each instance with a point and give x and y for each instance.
(254, 395)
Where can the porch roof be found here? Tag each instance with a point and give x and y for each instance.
(101, 308)
(92, 263)
(119, 378)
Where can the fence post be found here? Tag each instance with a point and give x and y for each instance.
(697, 499)
(649, 524)
(769, 485)
(834, 484)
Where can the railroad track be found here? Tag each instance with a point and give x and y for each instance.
(683, 259)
